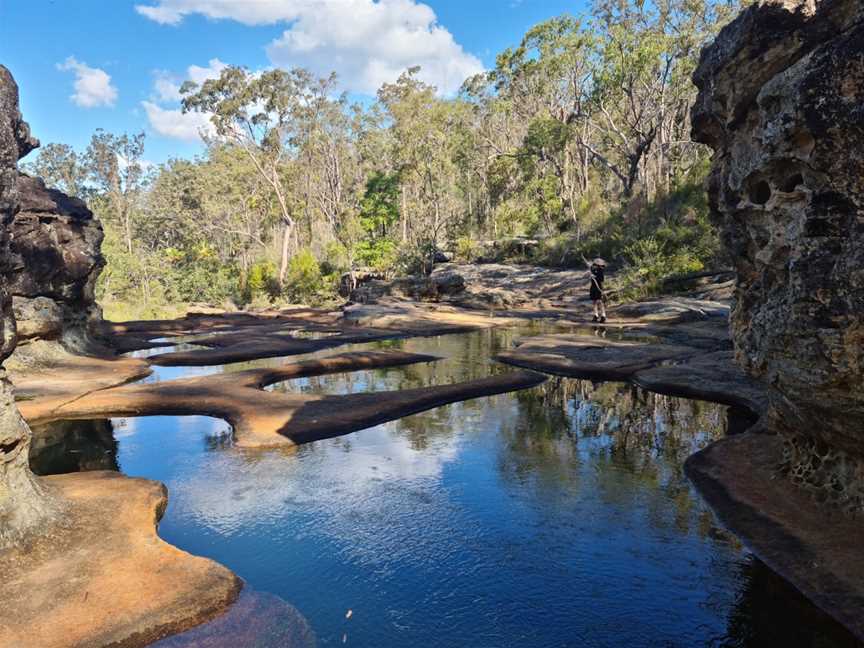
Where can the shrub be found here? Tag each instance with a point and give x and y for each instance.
(262, 282)
(379, 254)
(337, 259)
(418, 259)
(467, 249)
(649, 265)
(303, 280)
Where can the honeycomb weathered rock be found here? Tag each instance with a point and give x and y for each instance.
(781, 102)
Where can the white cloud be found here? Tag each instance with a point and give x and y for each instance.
(92, 86)
(167, 85)
(171, 122)
(248, 12)
(366, 42)
(200, 74)
(335, 484)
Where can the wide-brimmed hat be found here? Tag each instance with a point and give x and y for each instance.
(598, 261)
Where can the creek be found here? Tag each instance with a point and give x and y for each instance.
(555, 516)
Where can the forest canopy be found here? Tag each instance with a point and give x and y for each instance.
(577, 139)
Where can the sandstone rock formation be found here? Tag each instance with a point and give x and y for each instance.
(781, 102)
(24, 503)
(55, 261)
(80, 560)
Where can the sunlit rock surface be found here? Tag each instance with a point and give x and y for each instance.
(80, 561)
(782, 104)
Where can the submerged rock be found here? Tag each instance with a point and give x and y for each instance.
(781, 102)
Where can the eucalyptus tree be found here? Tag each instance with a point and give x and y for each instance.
(213, 214)
(642, 85)
(239, 211)
(332, 170)
(427, 133)
(60, 167)
(260, 114)
(534, 104)
(116, 172)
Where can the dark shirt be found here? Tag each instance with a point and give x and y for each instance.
(595, 290)
(597, 274)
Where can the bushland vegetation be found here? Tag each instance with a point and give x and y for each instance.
(577, 142)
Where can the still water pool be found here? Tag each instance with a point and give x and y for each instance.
(556, 516)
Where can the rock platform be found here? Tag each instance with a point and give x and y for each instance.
(102, 576)
(815, 548)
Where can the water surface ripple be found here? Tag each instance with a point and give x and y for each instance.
(556, 516)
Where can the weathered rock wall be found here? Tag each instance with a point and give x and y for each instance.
(24, 504)
(781, 102)
(55, 261)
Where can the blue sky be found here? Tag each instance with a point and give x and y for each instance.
(116, 64)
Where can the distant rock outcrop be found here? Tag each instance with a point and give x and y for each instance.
(781, 102)
(55, 261)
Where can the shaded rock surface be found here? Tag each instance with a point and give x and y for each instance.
(664, 367)
(55, 246)
(817, 551)
(781, 102)
(483, 287)
(25, 504)
(439, 284)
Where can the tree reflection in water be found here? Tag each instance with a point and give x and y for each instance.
(636, 442)
(73, 446)
(573, 488)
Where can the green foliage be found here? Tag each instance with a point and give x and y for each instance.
(303, 280)
(418, 259)
(60, 167)
(379, 212)
(467, 249)
(546, 136)
(336, 259)
(379, 208)
(379, 254)
(261, 281)
(649, 263)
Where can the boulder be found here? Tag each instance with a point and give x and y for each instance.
(418, 287)
(781, 102)
(55, 261)
(436, 285)
(351, 281)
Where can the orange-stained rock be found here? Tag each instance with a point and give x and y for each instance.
(265, 418)
(103, 577)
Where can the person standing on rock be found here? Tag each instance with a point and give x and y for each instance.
(597, 272)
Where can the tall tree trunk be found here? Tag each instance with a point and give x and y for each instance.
(286, 247)
(403, 212)
(127, 226)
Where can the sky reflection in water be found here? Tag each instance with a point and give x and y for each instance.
(556, 516)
